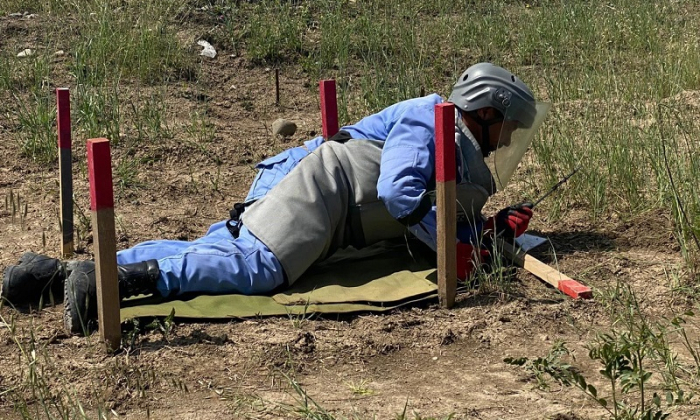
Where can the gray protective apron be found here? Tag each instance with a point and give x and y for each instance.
(329, 202)
(315, 209)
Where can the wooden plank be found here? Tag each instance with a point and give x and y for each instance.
(104, 238)
(446, 200)
(329, 108)
(544, 272)
(65, 169)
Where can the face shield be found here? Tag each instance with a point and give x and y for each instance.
(513, 142)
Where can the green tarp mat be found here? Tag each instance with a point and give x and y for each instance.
(375, 279)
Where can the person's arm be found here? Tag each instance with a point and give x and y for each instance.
(407, 165)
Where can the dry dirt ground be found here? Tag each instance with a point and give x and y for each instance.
(424, 360)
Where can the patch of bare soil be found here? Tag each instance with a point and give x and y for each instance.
(423, 360)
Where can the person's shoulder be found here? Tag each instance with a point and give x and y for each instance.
(409, 107)
(422, 103)
(429, 100)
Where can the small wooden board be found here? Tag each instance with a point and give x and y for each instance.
(558, 280)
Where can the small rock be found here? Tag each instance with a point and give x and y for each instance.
(59, 53)
(208, 50)
(26, 53)
(283, 128)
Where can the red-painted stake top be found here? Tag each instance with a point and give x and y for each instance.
(100, 174)
(445, 163)
(63, 116)
(329, 108)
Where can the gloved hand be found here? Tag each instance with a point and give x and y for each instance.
(468, 259)
(510, 222)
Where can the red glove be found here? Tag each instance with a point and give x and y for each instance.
(510, 222)
(468, 259)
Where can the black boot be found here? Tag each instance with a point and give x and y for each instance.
(35, 276)
(80, 291)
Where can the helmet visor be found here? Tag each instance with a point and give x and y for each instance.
(513, 142)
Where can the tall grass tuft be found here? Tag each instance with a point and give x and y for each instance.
(607, 67)
(36, 118)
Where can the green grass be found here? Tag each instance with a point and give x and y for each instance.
(108, 46)
(613, 105)
(592, 60)
(617, 73)
(650, 367)
(623, 77)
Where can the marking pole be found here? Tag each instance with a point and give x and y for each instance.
(65, 169)
(277, 87)
(104, 238)
(445, 175)
(329, 108)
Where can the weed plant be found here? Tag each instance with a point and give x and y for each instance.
(629, 355)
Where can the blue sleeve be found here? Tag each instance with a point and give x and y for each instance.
(273, 169)
(407, 163)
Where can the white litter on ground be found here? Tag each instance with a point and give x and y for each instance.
(208, 50)
(26, 53)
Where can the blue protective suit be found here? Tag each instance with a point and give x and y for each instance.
(218, 263)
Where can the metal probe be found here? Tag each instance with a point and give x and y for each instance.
(555, 187)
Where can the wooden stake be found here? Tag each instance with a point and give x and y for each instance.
(65, 170)
(559, 281)
(329, 108)
(445, 175)
(277, 87)
(104, 238)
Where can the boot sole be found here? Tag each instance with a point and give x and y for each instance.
(74, 321)
(4, 287)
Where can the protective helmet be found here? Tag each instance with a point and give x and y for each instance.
(486, 85)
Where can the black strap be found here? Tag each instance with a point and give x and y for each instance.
(341, 136)
(234, 223)
(419, 213)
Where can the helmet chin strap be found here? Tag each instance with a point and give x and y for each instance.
(485, 142)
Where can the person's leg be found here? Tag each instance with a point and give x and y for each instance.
(218, 264)
(213, 264)
(155, 250)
